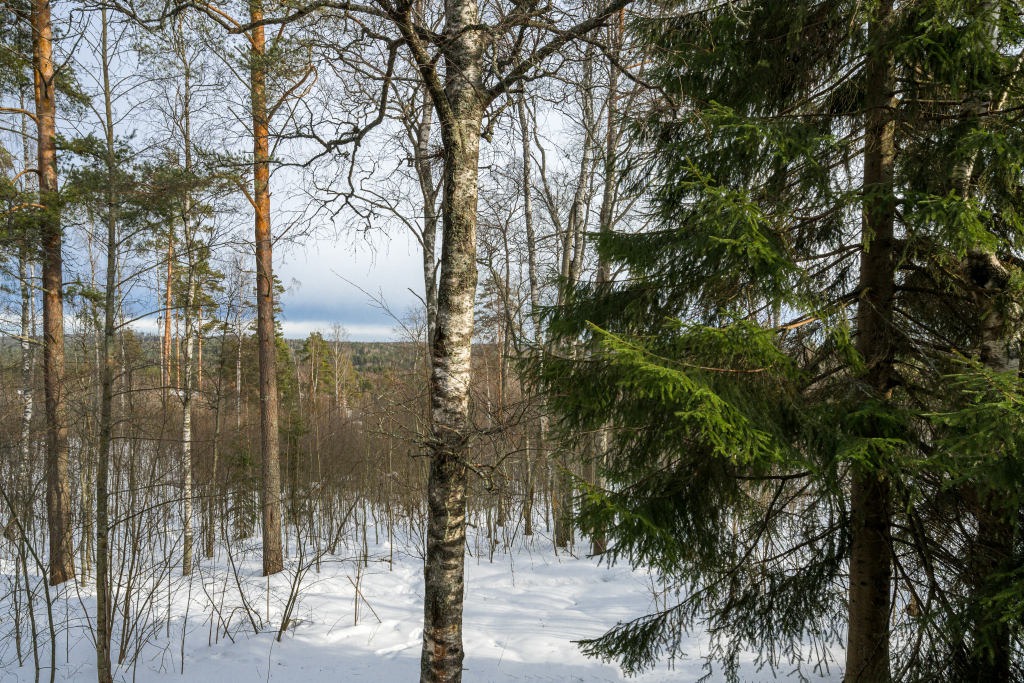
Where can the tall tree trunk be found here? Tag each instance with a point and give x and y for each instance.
(87, 468)
(531, 264)
(607, 218)
(23, 498)
(166, 368)
(199, 344)
(460, 111)
(186, 431)
(212, 497)
(190, 296)
(609, 194)
(573, 247)
(581, 200)
(186, 398)
(238, 357)
(561, 501)
(58, 491)
(270, 492)
(867, 652)
(27, 350)
(531, 239)
(177, 352)
(993, 545)
(429, 236)
(103, 601)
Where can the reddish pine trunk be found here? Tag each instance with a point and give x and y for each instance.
(58, 492)
(270, 493)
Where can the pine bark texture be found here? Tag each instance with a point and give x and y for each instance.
(58, 491)
(270, 493)
(867, 652)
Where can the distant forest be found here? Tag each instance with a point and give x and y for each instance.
(367, 358)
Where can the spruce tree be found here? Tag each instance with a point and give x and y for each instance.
(810, 439)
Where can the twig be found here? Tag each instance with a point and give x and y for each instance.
(503, 649)
(365, 601)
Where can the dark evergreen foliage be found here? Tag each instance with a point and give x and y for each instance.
(725, 360)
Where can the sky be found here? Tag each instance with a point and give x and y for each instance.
(328, 280)
(314, 271)
(318, 295)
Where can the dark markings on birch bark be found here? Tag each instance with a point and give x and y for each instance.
(459, 104)
(460, 116)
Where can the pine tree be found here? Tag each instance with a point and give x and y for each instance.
(794, 368)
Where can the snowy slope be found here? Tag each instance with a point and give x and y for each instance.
(522, 613)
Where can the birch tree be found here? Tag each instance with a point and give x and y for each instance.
(480, 69)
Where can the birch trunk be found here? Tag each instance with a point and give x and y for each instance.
(581, 200)
(607, 223)
(460, 114)
(572, 267)
(103, 601)
(238, 361)
(186, 391)
(189, 323)
(212, 497)
(459, 104)
(991, 648)
(26, 386)
(429, 236)
(531, 239)
(27, 350)
(531, 256)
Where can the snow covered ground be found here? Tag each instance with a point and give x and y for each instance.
(523, 610)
